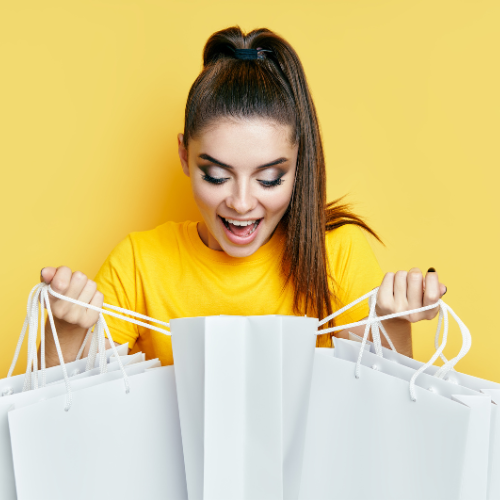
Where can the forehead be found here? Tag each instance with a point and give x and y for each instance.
(245, 141)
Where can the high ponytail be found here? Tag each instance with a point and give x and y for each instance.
(274, 86)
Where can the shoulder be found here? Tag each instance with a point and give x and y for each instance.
(348, 248)
(167, 235)
(165, 238)
(346, 237)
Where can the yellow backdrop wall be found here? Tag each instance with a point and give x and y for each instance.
(93, 93)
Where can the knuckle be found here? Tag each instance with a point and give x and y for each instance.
(72, 317)
(432, 314)
(414, 317)
(89, 320)
(58, 310)
(91, 285)
(415, 276)
(401, 274)
(385, 305)
(99, 297)
(79, 277)
(59, 307)
(60, 284)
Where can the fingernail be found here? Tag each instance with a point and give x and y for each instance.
(431, 270)
(41, 276)
(445, 291)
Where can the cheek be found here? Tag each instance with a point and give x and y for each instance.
(277, 202)
(206, 196)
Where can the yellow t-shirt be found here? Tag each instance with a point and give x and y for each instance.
(168, 272)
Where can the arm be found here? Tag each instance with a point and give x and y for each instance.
(70, 339)
(398, 330)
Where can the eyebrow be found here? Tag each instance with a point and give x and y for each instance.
(204, 156)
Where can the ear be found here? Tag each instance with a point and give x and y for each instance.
(183, 154)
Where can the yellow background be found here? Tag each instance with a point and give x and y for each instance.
(92, 95)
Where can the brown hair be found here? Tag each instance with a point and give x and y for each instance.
(274, 86)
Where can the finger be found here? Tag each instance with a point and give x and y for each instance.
(74, 312)
(385, 295)
(443, 289)
(79, 313)
(91, 316)
(61, 279)
(430, 270)
(70, 285)
(76, 285)
(88, 292)
(60, 284)
(415, 292)
(400, 298)
(432, 292)
(46, 274)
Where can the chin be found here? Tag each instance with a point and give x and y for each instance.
(240, 250)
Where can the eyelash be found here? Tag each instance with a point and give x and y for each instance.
(214, 180)
(270, 184)
(221, 180)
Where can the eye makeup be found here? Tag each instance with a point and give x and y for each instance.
(220, 180)
(213, 180)
(275, 182)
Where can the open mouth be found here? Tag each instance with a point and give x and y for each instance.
(241, 228)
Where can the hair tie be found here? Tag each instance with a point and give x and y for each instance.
(249, 54)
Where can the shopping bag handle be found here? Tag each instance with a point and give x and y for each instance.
(99, 310)
(375, 321)
(116, 308)
(378, 325)
(101, 323)
(41, 292)
(31, 324)
(36, 308)
(448, 365)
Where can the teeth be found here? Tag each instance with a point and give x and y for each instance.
(241, 222)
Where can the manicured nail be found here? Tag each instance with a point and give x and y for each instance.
(431, 270)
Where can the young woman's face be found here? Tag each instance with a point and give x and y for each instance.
(242, 175)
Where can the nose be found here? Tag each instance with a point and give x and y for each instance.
(241, 199)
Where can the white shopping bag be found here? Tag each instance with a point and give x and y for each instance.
(243, 387)
(16, 388)
(74, 446)
(7, 403)
(90, 450)
(408, 437)
(366, 439)
(480, 385)
(474, 478)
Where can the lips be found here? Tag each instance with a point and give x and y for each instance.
(240, 232)
(243, 231)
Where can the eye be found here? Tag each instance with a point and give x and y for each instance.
(214, 180)
(270, 184)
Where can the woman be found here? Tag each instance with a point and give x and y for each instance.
(268, 242)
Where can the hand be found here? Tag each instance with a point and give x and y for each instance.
(76, 286)
(404, 291)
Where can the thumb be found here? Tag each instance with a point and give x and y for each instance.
(47, 274)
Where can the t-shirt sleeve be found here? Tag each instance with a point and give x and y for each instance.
(116, 280)
(354, 269)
